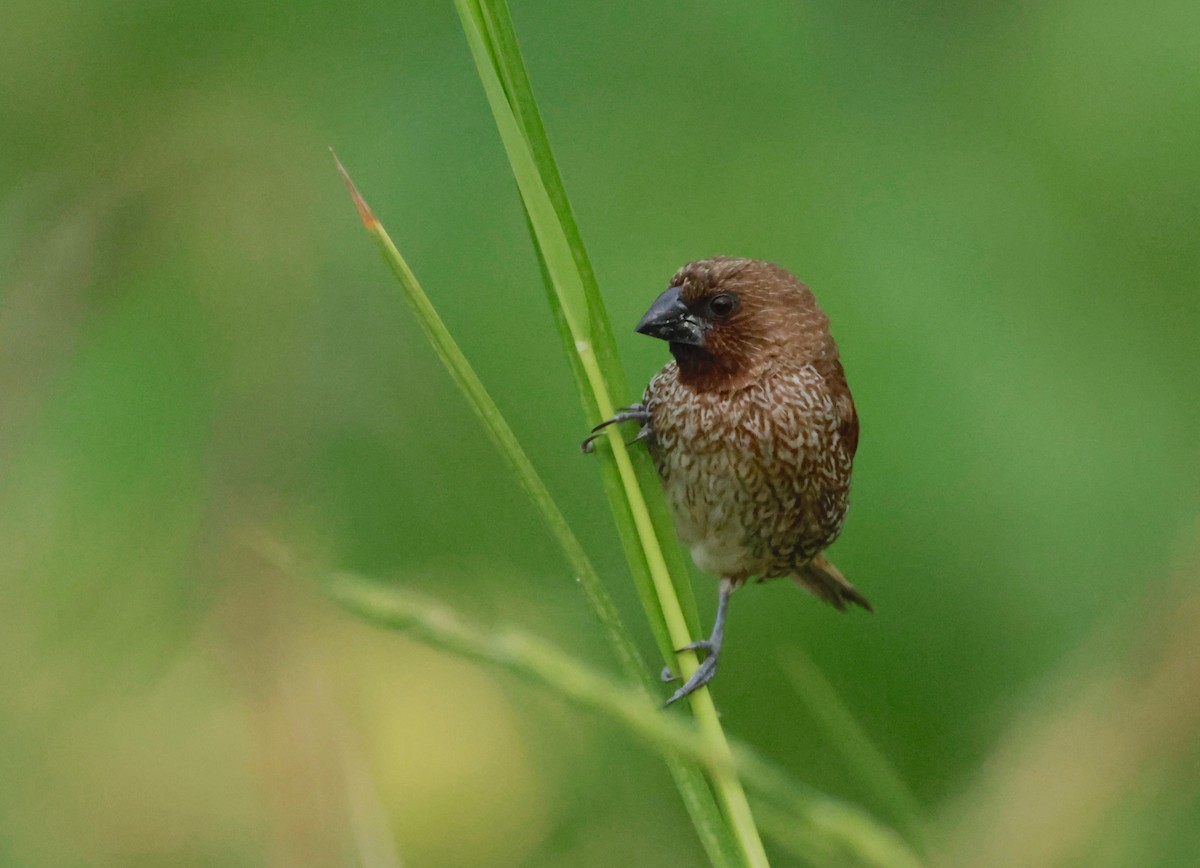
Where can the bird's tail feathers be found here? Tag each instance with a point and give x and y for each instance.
(822, 579)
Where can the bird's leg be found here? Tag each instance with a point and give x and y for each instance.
(711, 646)
(634, 413)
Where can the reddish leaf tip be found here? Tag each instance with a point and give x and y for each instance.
(364, 211)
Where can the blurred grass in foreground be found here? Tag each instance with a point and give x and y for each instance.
(996, 205)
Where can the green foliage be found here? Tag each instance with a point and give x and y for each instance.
(996, 204)
(713, 833)
(808, 824)
(588, 340)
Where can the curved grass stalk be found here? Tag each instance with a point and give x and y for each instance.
(495, 25)
(488, 28)
(697, 797)
(810, 824)
(859, 753)
(502, 435)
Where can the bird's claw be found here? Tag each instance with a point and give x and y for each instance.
(704, 645)
(700, 677)
(703, 674)
(710, 647)
(633, 413)
(586, 446)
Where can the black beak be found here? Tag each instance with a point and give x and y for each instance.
(670, 320)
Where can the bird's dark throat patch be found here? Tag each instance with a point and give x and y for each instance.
(692, 358)
(701, 369)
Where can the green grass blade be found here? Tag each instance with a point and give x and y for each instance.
(576, 308)
(809, 822)
(506, 57)
(559, 264)
(609, 475)
(485, 408)
(860, 754)
(692, 786)
(852, 842)
(571, 301)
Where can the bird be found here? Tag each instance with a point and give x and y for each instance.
(753, 431)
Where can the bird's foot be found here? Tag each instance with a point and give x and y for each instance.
(710, 647)
(634, 413)
(704, 645)
(700, 677)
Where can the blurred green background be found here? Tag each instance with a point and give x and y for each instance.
(201, 354)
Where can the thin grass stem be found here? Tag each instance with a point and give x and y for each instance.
(502, 435)
(809, 823)
(862, 757)
(714, 835)
(577, 307)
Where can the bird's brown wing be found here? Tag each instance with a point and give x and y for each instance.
(849, 425)
(844, 404)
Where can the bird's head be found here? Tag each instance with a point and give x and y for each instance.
(728, 320)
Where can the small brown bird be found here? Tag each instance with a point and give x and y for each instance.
(752, 429)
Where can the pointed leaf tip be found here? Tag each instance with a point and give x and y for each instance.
(364, 211)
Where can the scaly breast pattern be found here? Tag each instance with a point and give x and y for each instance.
(758, 479)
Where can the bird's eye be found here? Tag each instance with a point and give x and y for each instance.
(723, 305)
